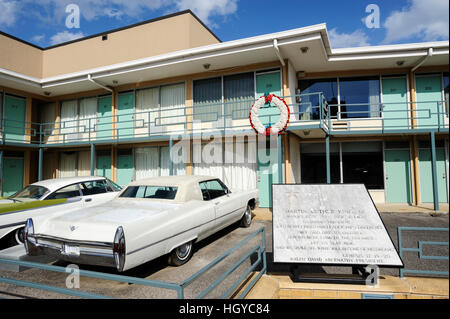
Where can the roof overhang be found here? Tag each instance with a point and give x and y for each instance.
(265, 48)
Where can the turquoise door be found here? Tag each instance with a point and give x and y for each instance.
(428, 94)
(398, 176)
(395, 108)
(269, 83)
(125, 109)
(124, 169)
(104, 166)
(104, 114)
(12, 175)
(15, 109)
(426, 179)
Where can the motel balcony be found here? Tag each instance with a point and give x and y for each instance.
(311, 117)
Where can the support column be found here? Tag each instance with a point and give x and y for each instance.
(416, 171)
(287, 159)
(434, 172)
(1, 171)
(170, 156)
(113, 164)
(327, 158)
(26, 167)
(280, 159)
(92, 159)
(40, 163)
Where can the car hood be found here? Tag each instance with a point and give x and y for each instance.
(100, 222)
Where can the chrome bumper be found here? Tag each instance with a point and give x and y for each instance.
(90, 253)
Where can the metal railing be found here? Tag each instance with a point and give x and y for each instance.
(308, 111)
(419, 250)
(179, 288)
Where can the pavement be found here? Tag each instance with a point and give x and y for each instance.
(212, 247)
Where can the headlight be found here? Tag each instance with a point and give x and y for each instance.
(119, 248)
(29, 230)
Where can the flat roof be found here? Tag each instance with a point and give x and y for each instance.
(114, 30)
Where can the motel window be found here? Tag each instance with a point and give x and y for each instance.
(208, 99)
(359, 97)
(313, 163)
(362, 162)
(239, 93)
(310, 100)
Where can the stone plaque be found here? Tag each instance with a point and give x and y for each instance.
(329, 224)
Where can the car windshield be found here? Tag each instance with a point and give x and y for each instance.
(114, 186)
(31, 192)
(155, 192)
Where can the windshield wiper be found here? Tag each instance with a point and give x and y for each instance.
(15, 200)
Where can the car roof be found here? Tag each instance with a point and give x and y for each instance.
(188, 188)
(57, 183)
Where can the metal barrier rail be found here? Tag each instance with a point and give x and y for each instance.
(419, 250)
(260, 249)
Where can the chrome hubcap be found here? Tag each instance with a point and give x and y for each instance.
(248, 215)
(183, 251)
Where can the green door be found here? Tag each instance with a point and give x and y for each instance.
(269, 83)
(12, 175)
(426, 177)
(104, 114)
(428, 94)
(398, 176)
(104, 166)
(15, 109)
(124, 169)
(125, 109)
(395, 108)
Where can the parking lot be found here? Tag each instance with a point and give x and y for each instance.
(211, 248)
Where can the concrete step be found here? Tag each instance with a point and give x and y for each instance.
(18, 253)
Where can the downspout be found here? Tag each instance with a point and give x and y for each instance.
(100, 85)
(423, 59)
(277, 51)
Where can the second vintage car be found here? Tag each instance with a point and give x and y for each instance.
(49, 196)
(148, 219)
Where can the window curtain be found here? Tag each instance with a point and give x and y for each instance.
(239, 94)
(84, 163)
(178, 168)
(147, 100)
(88, 111)
(69, 119)
(241, 174)
(146, 162)
(173, 99)
(67, 164)
(208, 100)
(202, 168)
(48, 120)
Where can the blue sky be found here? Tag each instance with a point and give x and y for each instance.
(43, 22)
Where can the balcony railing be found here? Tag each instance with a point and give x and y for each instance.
(308, 111)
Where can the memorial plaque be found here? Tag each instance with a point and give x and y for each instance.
(329, 224)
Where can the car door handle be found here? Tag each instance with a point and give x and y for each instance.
(88, 200)
(217, 203)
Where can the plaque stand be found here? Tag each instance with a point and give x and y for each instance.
(358, 277)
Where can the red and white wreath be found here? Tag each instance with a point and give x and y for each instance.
(280, 126)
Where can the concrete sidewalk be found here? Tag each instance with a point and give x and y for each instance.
(266, 213)
(282, 287)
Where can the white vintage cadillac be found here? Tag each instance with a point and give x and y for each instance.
(50, 196)
(148, 219)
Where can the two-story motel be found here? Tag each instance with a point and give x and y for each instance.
(114, 104)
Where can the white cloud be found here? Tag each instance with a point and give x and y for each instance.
(426, 20)
(93, 9)
(65, 36)
(344, 40)
(39, 38)
(8, 12)
(204, 9)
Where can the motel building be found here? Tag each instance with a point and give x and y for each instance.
(117, 104)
